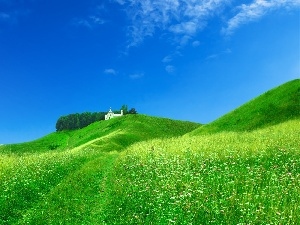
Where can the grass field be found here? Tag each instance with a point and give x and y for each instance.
(139, 169)
(41, 185)
(219, 179)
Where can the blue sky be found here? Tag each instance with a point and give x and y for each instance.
(181, 59)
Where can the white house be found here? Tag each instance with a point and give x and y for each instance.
(111, 114)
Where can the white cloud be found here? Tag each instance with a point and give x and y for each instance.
(196, 43)
(89, 22)
(212, 56)
(167, 59)
(254, 11)
(13, 16)
(136, 75)
(217, 55)
(121, 2)
(189, 28)
(97, 20)
(82, 22)
(110, 71)
(184, 40)
(170, 69)
(183, 19)
(178, 18)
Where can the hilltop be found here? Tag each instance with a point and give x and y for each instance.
(65, 161)
(273, 107)
(124, 130)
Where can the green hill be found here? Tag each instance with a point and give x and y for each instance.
(222, 178)
(140, 169)
(126, 130)
(273, 107)
(65, 170)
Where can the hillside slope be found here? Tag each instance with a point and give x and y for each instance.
(60, 178)
(222, 178)
(162, 177)
(130, 128)
(273, 107)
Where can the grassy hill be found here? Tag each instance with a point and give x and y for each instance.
(70, 164)
(126, 130)
(273, 107)
(139, 169)
(222, 178)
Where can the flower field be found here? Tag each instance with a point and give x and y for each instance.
(225, 178)
(70, 184)
(243, 168)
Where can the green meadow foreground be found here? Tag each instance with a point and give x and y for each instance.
(139, 169)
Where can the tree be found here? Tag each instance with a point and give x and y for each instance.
(132, 111)
(125, 109)
(77, 121)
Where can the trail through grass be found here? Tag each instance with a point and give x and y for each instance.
(70, 184)
(79, 199)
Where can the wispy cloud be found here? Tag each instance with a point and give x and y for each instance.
(13, 16)
(217, 55)
(135, 76)
(196, 44)
(89, 22)
(180, 18)
(170, 69)
(110, 71)
(254, 11)
(121, 2)
(97, 20)
(183, 19)
(13, 10)
(167, 59)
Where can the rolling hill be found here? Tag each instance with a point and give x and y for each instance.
(273, 107)
(125, 130)
(139, 169)
(70, 163)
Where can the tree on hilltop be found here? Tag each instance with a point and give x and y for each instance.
(78, 120)
(132, 111)
(125, 109)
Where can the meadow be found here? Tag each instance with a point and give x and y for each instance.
(243, 168)
(69, 184)
(225, 178)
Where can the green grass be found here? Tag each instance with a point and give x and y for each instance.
(273, 107)
(225, 178)
(61, 185)
(78, 199)
(131, 128)
(241, 169)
